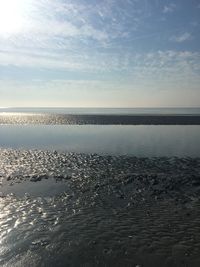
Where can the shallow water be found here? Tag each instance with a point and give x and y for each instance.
(140, 140)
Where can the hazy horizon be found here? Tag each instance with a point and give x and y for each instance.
(101, 107)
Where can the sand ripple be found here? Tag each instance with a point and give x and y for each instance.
(108, 211)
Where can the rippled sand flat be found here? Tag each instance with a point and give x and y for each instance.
(105, 210)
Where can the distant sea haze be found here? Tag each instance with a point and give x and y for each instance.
(100, 116)
(108, 111)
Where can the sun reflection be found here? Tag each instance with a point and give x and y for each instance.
(12, 16)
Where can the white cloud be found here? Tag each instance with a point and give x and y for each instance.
(160, 76)
(84, 62)
(39, 61)
(102, 21)
(52, 19)
(89, 38)
(152, 83)
(166, 70)
(186, 36)
(169, 8)
(145, 68)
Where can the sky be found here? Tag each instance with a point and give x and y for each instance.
(99, 53)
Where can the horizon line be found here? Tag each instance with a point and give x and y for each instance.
(57, 107)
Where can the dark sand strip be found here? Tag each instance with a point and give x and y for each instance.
(100, 119)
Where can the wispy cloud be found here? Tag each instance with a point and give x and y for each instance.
(169, 8)
(169, 69)
(119, 44)
(151, 76)
(58, 62)
(160, 68)
(186, 36)
(148, 76)
(102, 22)
(49, 20)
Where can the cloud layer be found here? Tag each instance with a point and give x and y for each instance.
(128, 48)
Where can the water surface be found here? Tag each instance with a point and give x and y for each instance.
(141, 140)
(98, 195)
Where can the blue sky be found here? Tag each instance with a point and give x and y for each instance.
(108, 53)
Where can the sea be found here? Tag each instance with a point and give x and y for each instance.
(78, 192)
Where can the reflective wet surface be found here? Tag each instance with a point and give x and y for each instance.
(99, 195)
(98, 210)
(137, 140)
(50, 232)
(99, 119)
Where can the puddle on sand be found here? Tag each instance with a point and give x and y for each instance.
(44, 188)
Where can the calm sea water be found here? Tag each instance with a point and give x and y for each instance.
(137, 140)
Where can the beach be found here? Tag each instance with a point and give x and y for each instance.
(99, 133)
(107, 211)
(99, 189)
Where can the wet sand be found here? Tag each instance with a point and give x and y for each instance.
(107, 211)
(23, 118)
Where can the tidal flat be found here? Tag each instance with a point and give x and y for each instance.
(76, 209)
